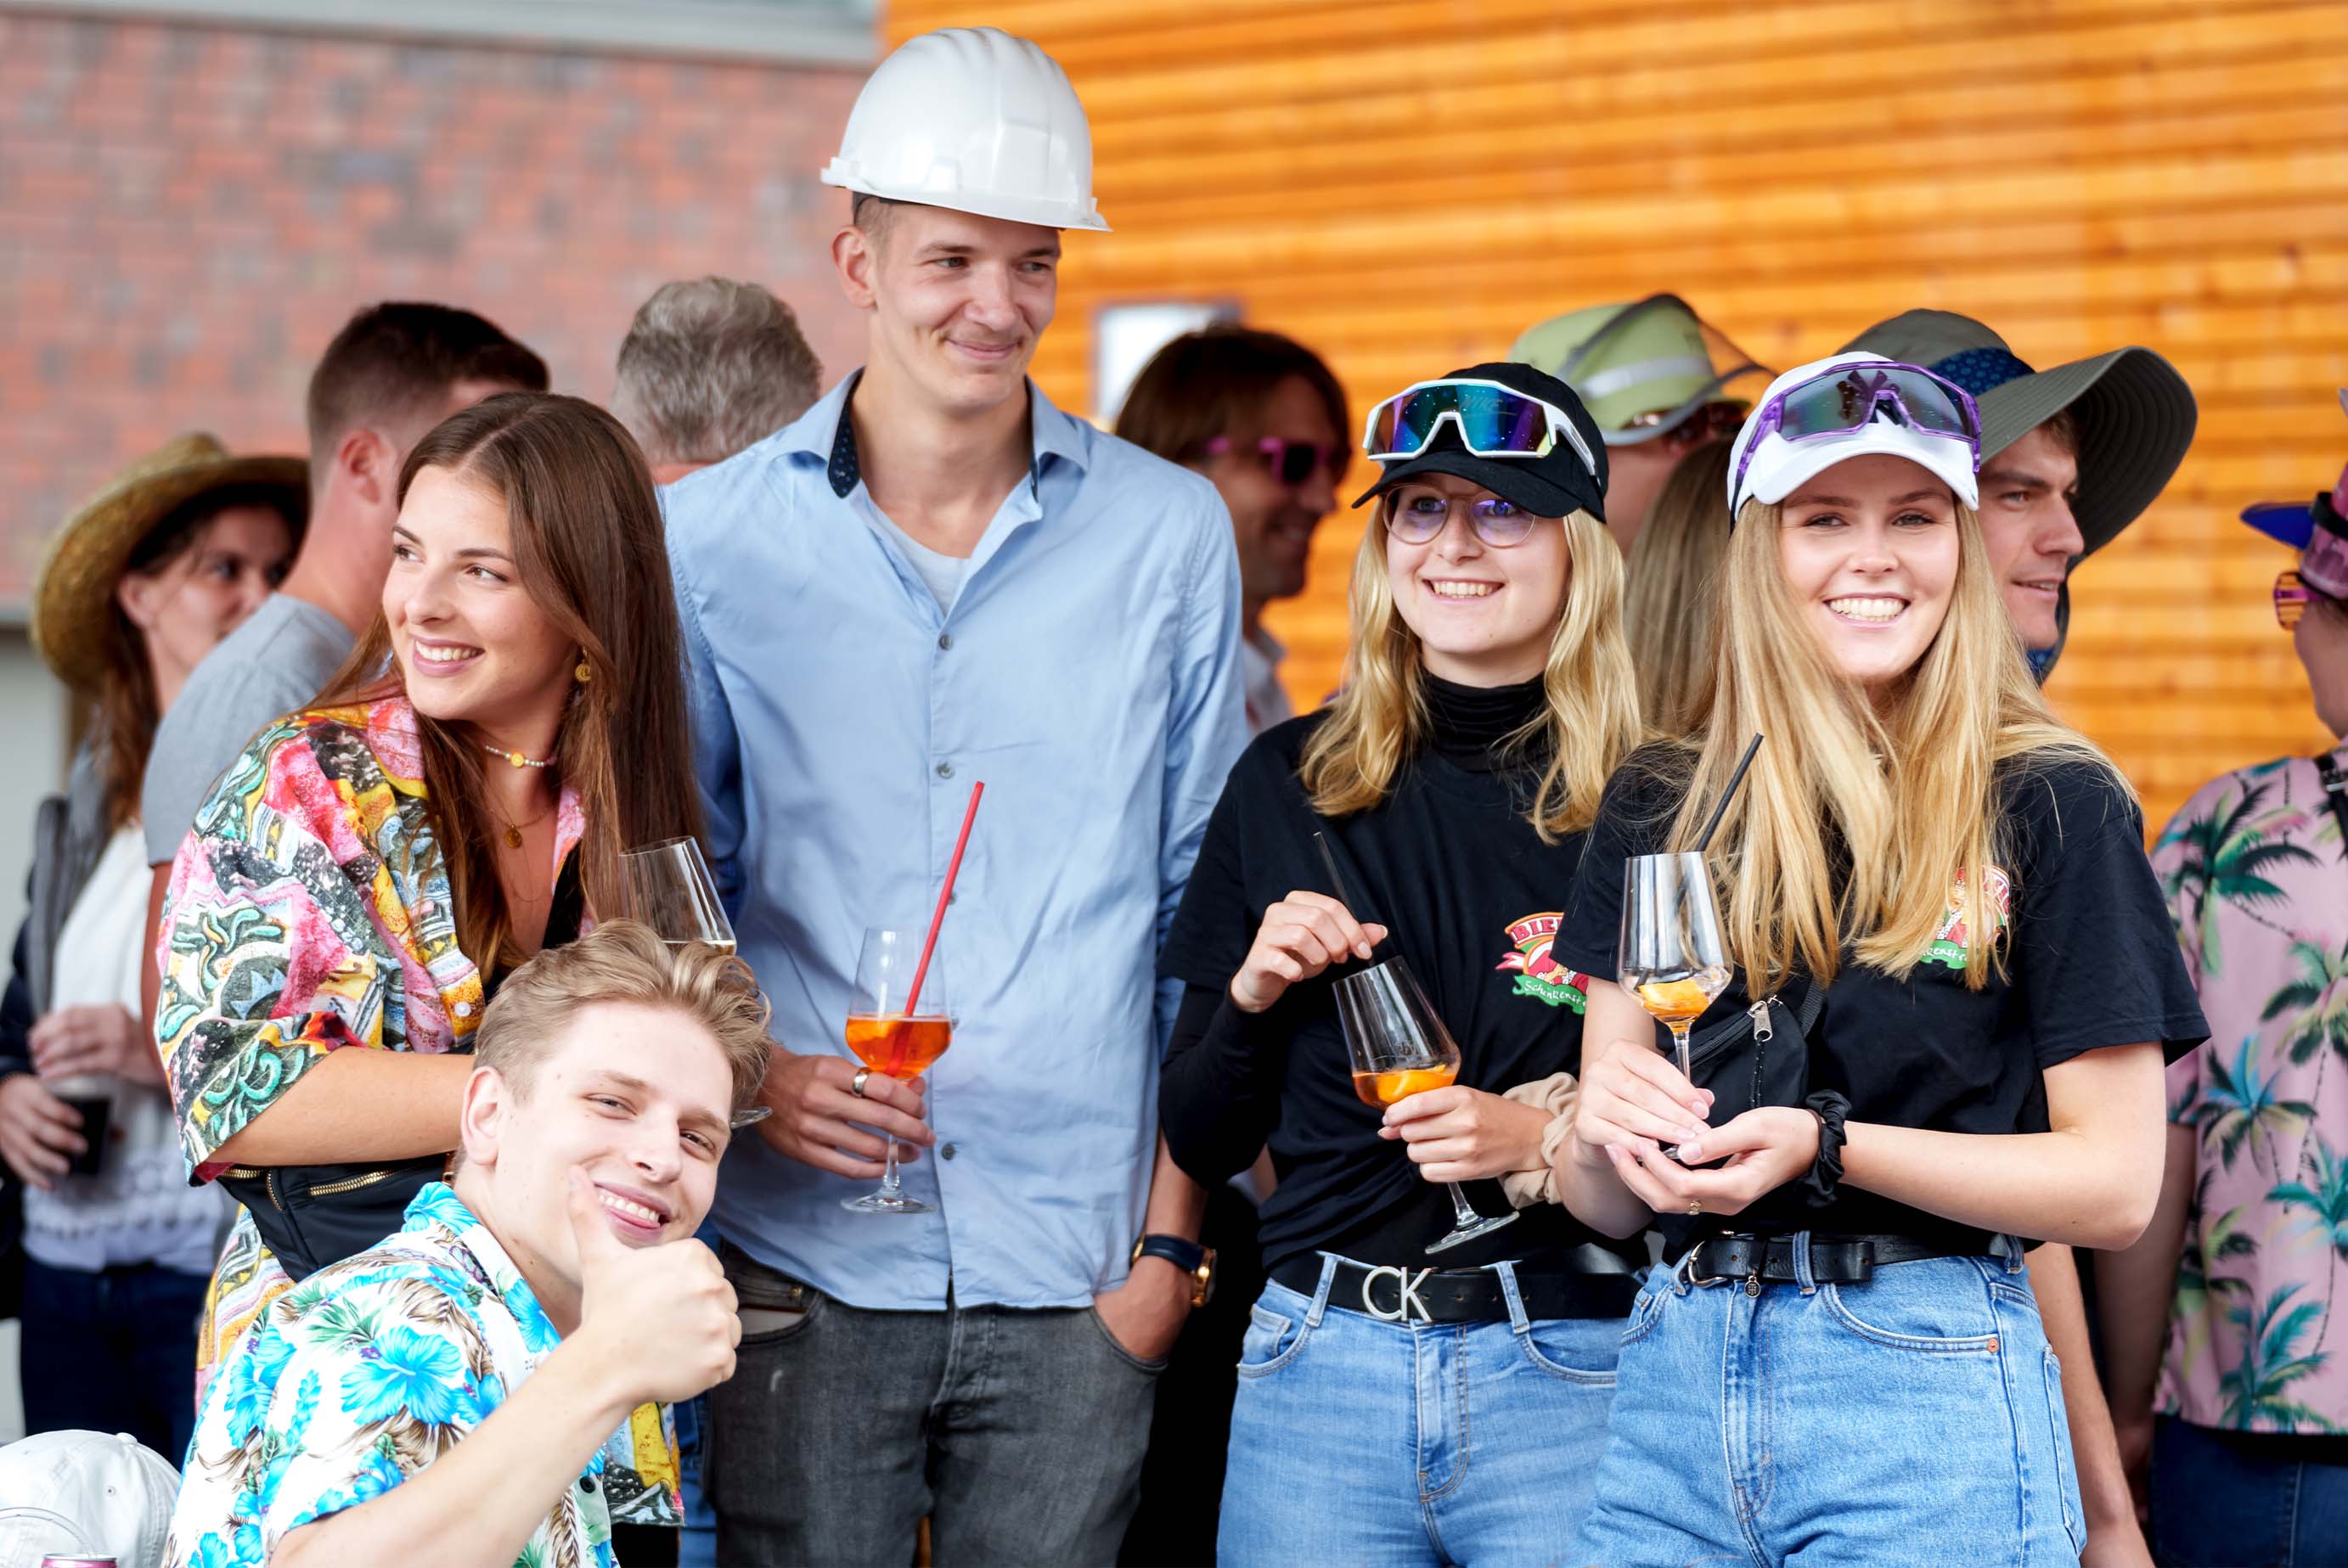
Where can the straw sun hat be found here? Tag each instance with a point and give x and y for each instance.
(88, 554)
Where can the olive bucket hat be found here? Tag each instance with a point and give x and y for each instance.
(89, 554)
(2135, 413)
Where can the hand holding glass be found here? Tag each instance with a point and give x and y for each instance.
(892, 1042)
(1399, 1047)
(1671, 957)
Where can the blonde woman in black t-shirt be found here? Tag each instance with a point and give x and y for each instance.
(1956, 982)
(1488, 696)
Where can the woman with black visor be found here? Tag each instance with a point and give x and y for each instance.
(1488, 695)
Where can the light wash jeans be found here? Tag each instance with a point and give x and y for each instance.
(1915, 1418)
(1361, 1442)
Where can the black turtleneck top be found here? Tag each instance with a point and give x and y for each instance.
(1450, 864)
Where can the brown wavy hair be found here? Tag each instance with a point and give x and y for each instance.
(588, 548)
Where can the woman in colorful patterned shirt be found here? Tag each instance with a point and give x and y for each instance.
(368, 868)
(2243, 1348)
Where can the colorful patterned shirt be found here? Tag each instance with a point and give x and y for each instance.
(358, 1378)
(309, 911)
(2257, 886)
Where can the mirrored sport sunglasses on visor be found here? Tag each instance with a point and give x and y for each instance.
(1842, 400)
(1492, 421)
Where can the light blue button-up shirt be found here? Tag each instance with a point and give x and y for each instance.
(1087, 670)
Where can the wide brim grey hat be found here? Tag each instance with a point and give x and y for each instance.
(2135, 413)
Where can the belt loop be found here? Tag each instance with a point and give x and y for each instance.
(2007, 1249)
(1680, 1284)
(1507, 1271)
(1321, 1291)
(1802, 1275)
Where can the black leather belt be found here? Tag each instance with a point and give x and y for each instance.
(1833, 1260)
(1595, 1284)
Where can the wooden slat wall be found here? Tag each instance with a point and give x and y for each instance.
(1407, 183)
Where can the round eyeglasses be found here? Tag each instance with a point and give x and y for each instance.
(1418, 516)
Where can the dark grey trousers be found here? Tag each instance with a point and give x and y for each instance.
(1019, 1434)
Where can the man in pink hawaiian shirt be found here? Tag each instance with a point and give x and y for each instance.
(2247, 1363)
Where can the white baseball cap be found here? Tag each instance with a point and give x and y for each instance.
(1778, 467)
(84, 1492)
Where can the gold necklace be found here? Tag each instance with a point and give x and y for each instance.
(513, 831)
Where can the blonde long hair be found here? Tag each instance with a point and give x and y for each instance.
(1671, 589)
(1911, 795)
(1379, 720)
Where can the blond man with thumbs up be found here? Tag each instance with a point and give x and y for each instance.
(446, 1397)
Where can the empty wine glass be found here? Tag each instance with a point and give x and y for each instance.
(669, 889)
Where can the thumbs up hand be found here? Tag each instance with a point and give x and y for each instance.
(662, 1316)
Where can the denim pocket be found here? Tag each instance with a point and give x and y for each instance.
(2066, 1479)
(768, 1291)
(1138, 1363)
(1929, 1307)
(1574, 1349)
(1647, 1306)
(1272, 1342)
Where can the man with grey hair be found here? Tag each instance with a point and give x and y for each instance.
(710, 367)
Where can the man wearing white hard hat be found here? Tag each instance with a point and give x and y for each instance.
(935, 578)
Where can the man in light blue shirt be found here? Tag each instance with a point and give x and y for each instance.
(935, 577)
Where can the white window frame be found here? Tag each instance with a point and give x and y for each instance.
(814, 35)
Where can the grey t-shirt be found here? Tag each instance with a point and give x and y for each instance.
(278, 660)
(941, 573)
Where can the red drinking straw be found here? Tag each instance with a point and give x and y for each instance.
(920, 969)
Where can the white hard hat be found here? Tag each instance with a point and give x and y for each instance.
(84, 1492)
(975, 120)
(1778, 467)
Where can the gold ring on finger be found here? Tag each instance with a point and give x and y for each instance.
(1695, 1205)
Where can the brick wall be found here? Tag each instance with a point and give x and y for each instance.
(189, 212)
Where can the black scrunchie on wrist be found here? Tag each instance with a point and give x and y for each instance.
(1830, 1109)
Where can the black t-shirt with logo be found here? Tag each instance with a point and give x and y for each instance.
(2092, 962)
(1471, 896)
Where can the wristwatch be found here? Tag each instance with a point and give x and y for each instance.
(1197, 1262)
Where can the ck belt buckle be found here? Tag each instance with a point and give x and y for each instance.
(1406, 1294)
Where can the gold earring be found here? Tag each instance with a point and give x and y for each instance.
(585, 674)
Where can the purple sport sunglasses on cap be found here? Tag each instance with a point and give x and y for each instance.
(1838, 401)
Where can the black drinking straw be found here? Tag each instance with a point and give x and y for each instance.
(1726, 795)
(1321, 842)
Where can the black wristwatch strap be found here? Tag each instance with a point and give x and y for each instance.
(1186, 1256)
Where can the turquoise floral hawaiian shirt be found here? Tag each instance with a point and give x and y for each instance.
(359, 1377)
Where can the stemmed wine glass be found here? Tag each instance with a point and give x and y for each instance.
(1671, 957)
(669, 889)
(895, 1039)
(1399, 1047)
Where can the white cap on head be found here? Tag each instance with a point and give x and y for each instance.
(975, 120)
(84, 1492)
(1780, 467)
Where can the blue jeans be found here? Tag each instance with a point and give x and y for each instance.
(113, 1351)
(2252, 1500)
(1917, 1417)
(1360, 1441)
